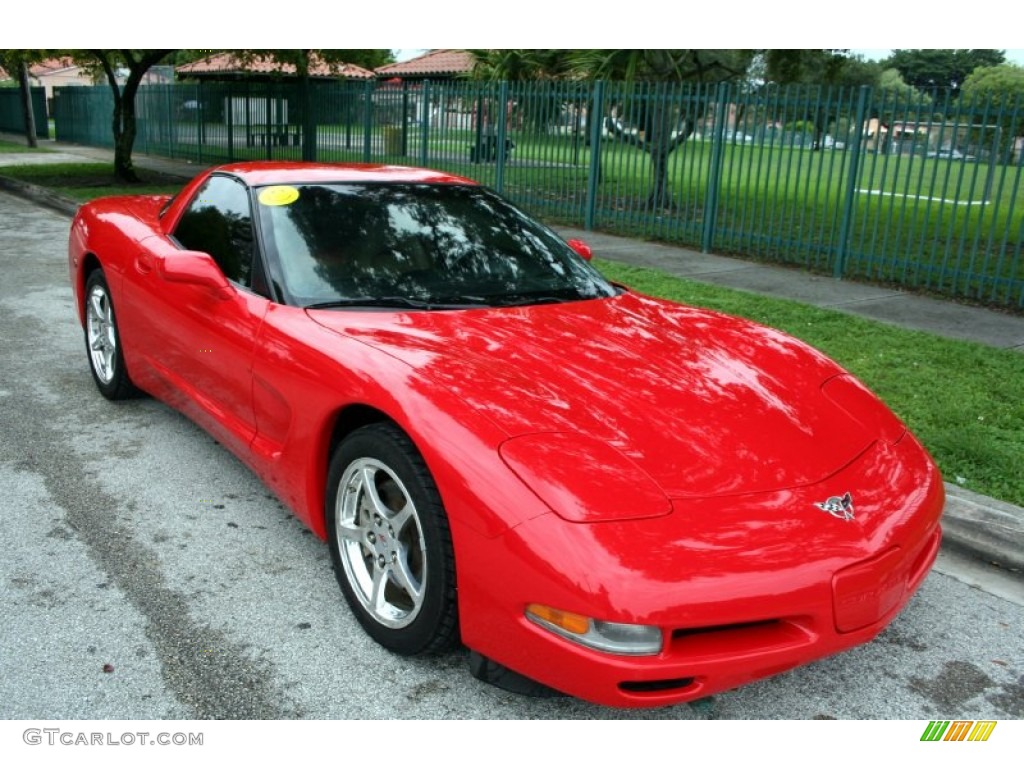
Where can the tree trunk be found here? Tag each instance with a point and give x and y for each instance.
(123, 128)
(124, 140)
(659, 146)
(124, 123)
(26, 104)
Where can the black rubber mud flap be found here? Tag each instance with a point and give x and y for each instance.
(495, 674)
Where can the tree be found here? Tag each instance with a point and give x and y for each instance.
(936, 68)
(1003, 88)
(517, 64)
(110, 64)
(892, 82)
(537, 106)
(661, 127)
(824, 66)
(818, 66)
(17, 62)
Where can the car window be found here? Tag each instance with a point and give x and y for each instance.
(408, 244)
(218, 221)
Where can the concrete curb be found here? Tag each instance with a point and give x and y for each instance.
(39, 195)
(985, 529)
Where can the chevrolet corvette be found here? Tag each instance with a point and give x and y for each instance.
(617, 497)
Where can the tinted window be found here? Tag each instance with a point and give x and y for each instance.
(218, 221)
(431, 244)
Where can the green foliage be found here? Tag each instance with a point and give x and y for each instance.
(817, 66)
(891, 82)
(640, 65)
(939, 68)
(1004, 84)
(1003, 87)
(303, 58)
(800, 126)
(516, 64)
(663, 65)
(11, 59)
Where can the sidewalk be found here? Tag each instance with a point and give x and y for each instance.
(989, 530)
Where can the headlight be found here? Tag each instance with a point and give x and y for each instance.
(584, 480)
(607, 636)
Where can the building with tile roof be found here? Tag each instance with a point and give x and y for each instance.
(54, 73)
(437, 64)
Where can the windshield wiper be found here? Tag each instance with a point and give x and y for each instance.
(399, 302)
(525, 299)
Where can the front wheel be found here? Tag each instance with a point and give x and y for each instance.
(390, 542)
(103, 342)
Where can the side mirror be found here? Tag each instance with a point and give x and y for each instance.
(194, 268)
(581, 248)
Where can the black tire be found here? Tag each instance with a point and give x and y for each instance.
(391, 546)
(103, 341)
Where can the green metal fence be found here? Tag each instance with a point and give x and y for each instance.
(924, 192)
(12, 118)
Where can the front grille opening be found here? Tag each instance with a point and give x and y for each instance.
(678, 634)
(705, 644)
(656, 686)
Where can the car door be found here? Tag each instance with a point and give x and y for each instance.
(200, 340)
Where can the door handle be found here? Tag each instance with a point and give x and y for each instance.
(144, 263)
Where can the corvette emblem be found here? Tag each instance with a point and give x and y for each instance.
(838, 506)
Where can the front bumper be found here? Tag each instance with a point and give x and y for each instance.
(736, 600)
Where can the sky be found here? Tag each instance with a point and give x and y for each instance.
(526, 24)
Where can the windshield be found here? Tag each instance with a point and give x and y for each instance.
(415, 246)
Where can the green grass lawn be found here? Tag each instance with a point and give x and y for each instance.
(962, 400)
(87, 181)
(8, 147)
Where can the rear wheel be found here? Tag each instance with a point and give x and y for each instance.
(390, 542)
(102, 341)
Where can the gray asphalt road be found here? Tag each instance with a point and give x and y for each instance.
(131, 539)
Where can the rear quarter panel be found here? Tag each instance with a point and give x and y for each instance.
(107, 232)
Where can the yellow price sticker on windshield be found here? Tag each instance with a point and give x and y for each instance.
(279, 195)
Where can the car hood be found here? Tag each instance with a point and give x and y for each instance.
(705, 404)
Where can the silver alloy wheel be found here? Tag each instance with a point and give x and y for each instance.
(380, 540)
(102, 335)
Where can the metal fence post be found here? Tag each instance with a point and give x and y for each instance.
(229, 104)
(595, 116)
(715, 174)
(199, 123)
(853, 169)
(502, 117)
(172, 119)
(308, 120)
(405, 118)
(367, 120)
(425, 125)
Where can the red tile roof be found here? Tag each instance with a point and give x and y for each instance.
(228, 64)
(442, 61)
(51, 66)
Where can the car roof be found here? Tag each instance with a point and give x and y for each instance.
(261, 173)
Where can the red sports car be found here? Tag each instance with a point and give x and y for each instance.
(625, 499)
